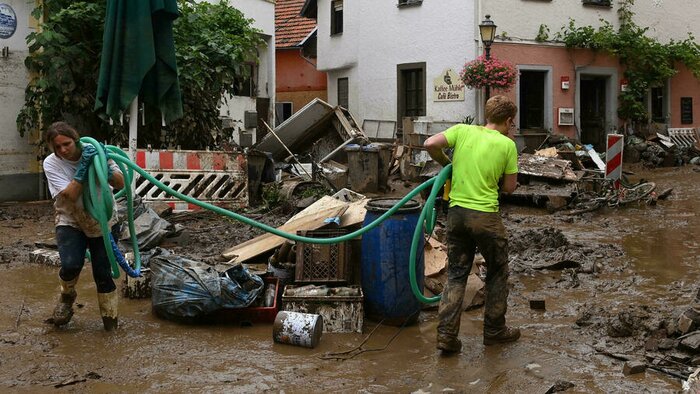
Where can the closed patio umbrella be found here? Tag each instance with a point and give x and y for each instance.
(138, 59)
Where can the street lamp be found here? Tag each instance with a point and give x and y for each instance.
(487, 30)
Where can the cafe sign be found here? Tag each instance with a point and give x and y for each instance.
(448, 87)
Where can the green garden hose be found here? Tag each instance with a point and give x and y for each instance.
(100, 206)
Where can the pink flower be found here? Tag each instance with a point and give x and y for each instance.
(481, 72)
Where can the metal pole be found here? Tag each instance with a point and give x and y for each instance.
(336, 150)
(133, 133)
(488, 87)
(288, 151)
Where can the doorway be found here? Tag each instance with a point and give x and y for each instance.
(593, 110)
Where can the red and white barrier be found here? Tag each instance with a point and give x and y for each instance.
(613, 158)
(218, 178)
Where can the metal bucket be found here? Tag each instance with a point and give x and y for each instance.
(294, 328)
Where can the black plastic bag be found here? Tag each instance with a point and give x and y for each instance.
(184, 289)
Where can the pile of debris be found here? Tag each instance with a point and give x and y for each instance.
(671, 345)
(548, 248)
(675, 148)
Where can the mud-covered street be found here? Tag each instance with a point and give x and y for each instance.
(624, 276)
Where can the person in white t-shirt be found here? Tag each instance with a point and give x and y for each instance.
(66, 170)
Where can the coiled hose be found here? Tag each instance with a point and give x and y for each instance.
(100, 206)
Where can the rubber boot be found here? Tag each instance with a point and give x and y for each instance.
(64, 309)
(109, 309)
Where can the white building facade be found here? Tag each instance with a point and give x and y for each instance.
(19, 168)
(257, 99)
(390, 59)
(385, 60)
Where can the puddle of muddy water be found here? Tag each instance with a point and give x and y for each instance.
(148, 354)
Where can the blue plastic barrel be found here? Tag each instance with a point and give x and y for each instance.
(385, 258)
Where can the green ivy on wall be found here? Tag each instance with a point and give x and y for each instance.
(647, 62)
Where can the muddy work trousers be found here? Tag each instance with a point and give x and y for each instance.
(72, 244)
(466, 230)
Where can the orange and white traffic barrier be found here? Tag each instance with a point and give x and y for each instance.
(219, 178)
(613, 158)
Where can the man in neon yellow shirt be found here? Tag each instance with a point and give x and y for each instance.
(485, 162)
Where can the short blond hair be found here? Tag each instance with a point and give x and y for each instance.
(499, 109)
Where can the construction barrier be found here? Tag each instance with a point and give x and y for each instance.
(613, 158)
(219, 178)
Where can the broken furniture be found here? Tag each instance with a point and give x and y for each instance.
(319, 131)
(318, 127)
(545, 180)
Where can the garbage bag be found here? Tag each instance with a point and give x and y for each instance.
(184, 289)
(122, 207)
(150, 229)
(146, 256)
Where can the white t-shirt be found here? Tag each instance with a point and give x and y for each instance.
(59, 173)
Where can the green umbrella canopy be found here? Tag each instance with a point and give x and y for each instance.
(138, 57)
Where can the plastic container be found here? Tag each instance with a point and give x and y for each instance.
(341, 313)
(385, 158)
(294, 328)
(363, 167)
(322, 263)
(384, 263)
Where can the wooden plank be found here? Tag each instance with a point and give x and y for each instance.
(349, 131)
(266, 242)
(435, 257)
(326, 202)
(542, 189)
(355, 213)
(545, 167)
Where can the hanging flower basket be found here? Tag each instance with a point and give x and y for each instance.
(497, 74)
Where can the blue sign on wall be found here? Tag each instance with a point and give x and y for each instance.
(8, 21)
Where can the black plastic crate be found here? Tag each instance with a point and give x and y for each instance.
(327, 263)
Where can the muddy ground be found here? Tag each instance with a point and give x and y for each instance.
(611, 280)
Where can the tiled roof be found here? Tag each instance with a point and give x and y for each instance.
(290, 28)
